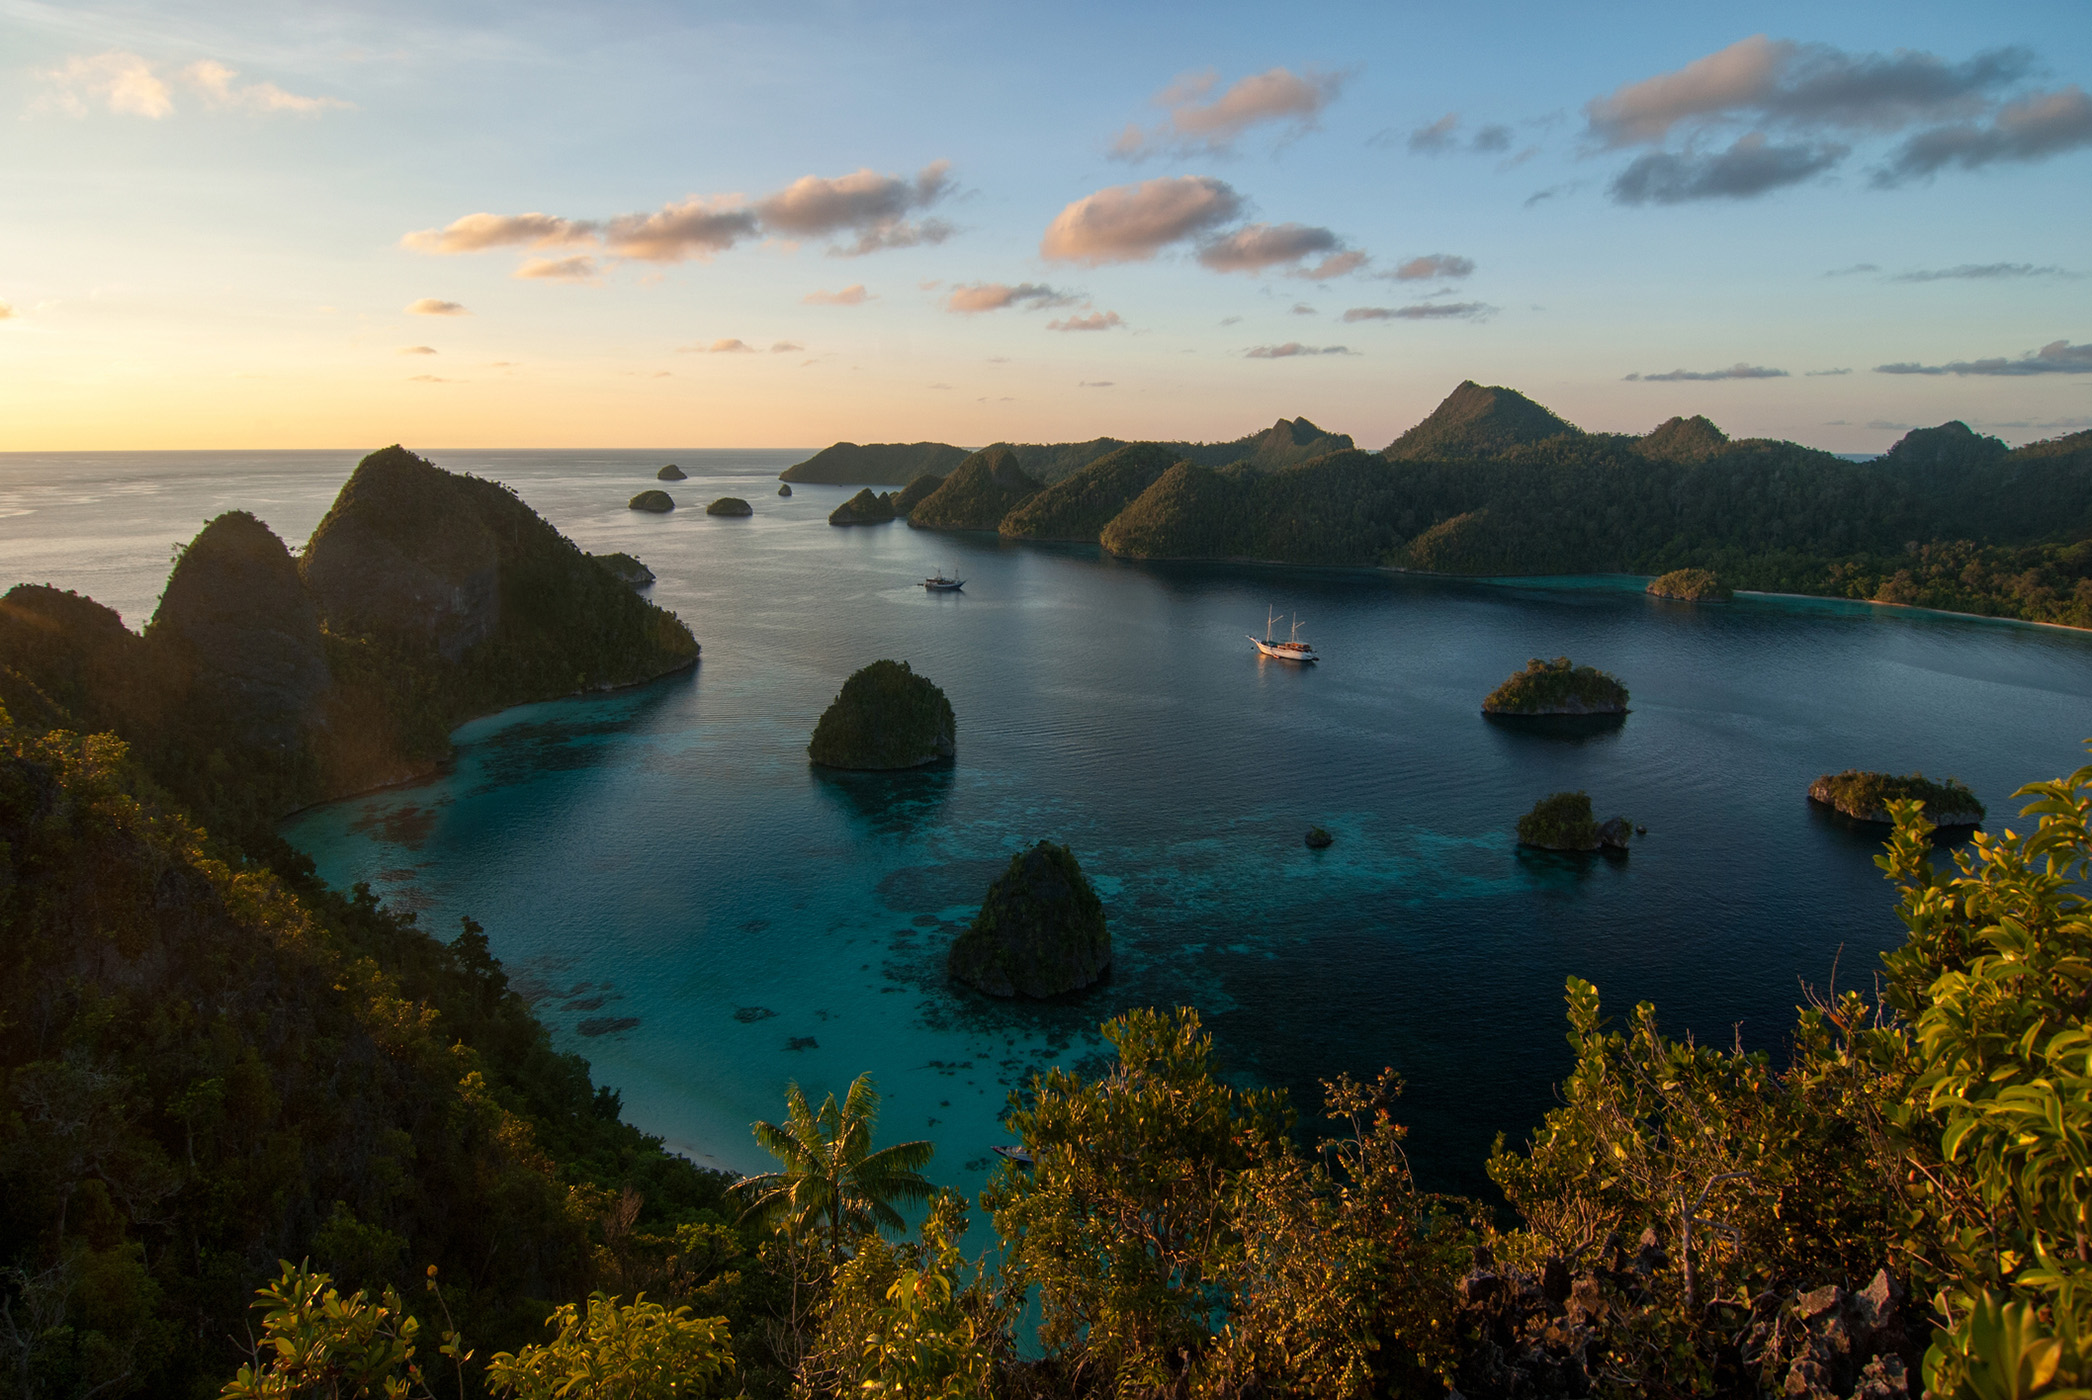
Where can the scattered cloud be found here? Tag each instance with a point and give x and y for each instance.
(2038, 126)
(872, 206)
(123, 83)
(1201, 124)
(1095, 321)
(1752, 166)
(1442, 137)
(580, 268)
(1780, 82)
(1422, 311)
(7, 313)
(1292, 348)
(1301, 308)
(1884, 426)
(2056, 357)
(876, 208)
(1132, 223)
(215, 81)
(1434, 265)
(127, 84)
(1554, 192)
(1261, 247)
(435, 306)
(1964, 114)
(1739, 370)
(787, 347)
(1093, 384)
(690, 228)
(1823, 373)
(1980, 272)
(1231, 320)
(972, 298)
(1853, 271)
(476, 233)
(429, 379)
(852, 295)
(417, 349)
(732, 345)
(938, 386)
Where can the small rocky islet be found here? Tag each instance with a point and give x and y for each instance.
(652, 502)
(1557, 687)
(785, 489)
(1040, 931)
(885, 717)
(671, 472)
(1564, 821)
(731, 506)
(1865, 797)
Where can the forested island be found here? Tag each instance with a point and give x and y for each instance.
(1492, 484)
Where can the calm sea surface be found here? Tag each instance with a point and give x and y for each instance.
(706, 918)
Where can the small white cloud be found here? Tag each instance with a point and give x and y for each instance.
(417, 349)
(1292, 348)
(1132, 223)
(124, 83)
(435, 306)
(732, 345)
(973, 298)
(786, 347)
(852, 295)
(215, 81)
(1095, 321)
(579, 268)
(1198, 125)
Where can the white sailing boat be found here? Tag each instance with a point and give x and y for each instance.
(1292, 649)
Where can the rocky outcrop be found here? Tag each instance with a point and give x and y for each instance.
(865, 508)
(652, 502)
(240, 637)
(1865, 797)
(1318, 839)
(784, 489)
(1557, 688)
(885, 716)
(730, 506)
(1564, 822)
(671, 472)
(1040, 932)
(625, 569)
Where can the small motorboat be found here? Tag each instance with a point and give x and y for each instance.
(938, 583)
(1021, 1156)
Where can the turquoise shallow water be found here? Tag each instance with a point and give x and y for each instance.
(705, 917)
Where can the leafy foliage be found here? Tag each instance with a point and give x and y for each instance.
(1691, 586)
(980, 491)
(831, 1176)
(1078, 507)
(1561, 822)
(864, 508)
(611, 1351)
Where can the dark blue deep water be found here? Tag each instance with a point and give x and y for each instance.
(705, 917)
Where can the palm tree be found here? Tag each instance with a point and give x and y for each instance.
(830, 1173)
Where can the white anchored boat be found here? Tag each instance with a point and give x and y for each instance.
(938, 583)
(1292, 649)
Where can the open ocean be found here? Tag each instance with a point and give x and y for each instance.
(705, 917)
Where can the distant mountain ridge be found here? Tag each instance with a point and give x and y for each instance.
(1474, 421)
(1287, 441)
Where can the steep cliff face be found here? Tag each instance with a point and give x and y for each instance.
(238, 633)
(407, 553)
(476, 593)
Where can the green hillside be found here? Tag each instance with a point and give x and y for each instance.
(875, 463)
(1080, 506)
(977, 495)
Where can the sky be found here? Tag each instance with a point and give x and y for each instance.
(230, 224)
